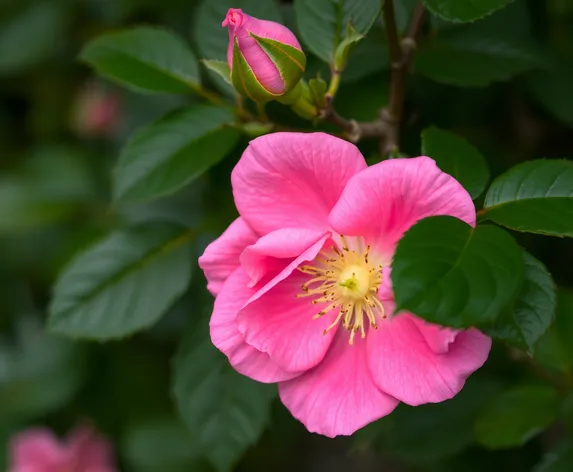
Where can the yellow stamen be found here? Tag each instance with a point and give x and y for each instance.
(346, 278)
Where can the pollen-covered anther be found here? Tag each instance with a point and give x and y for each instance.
(349, 281)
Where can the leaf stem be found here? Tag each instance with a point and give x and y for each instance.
(215, 99)
(334, 84)
(481, 216)
(211, 97)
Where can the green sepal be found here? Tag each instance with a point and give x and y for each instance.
(300, 100)
(244, 80)
(219, 67)
(290, 98)
(343, 50)
(290, 61)
(318, 89)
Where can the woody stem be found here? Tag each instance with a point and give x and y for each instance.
(387, 127)
(401, 55)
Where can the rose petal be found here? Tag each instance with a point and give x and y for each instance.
(386, 291)
(225, 334)
(383, 201)
(36, 449)
(439, 338)
(221, 257)
(405, 366)
(100, 469)
(282, 325)
(293, 179)
(277, 321)
(260, 258)
(338, 396)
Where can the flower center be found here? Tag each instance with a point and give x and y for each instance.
(349, 281)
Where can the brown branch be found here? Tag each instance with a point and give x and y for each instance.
(328, 113)
(401, 55)
(354, 131)
(391, 29)
(416, 22)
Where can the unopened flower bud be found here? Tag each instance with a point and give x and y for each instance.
(265, 57)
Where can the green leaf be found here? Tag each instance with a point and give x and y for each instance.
(322, 22)
(344, 49)
(478, 67)
(451, 274)
(145, 60)
(160, 445)
(536, 197)
(39, 373)
(477, 55)
(464, 10)
(361, 63)
(122, 284)
(455, 156)
(511, 22)
(211, 38)
(221, 68)
(169, 153)
(534, 309)
(554, 349)
(31, 36)
(516, 415)
(225, 411)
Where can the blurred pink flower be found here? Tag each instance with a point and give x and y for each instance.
(96, 112)
(287, 282)
(38, 450)
(275, 77)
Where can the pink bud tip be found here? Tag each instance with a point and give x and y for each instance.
(234, 18)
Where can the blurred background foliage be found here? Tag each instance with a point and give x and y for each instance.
(504, 83)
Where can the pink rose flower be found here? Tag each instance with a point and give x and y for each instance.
(38, 450)
(269, 56)
(302, 282)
